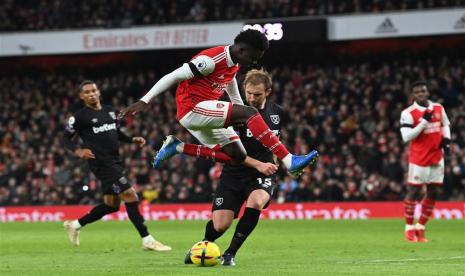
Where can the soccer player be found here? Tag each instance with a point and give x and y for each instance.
(202, 81)
(97, 126)
(238, 183)
(425, 125)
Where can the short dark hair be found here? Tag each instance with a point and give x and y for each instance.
(85, 82)
(253, 38)
(417, 83)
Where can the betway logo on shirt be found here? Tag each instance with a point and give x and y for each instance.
(104, 127)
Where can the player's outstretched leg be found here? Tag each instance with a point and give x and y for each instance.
(173, 146)
(260, 131)
(73, 227)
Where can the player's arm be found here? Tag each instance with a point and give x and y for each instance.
(199, 66)
(123, 137)
(69, 144)
(407, 130)
(445, 132)
(265, 168)
(233, 91)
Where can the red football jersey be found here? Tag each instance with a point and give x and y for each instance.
(216, 70)
(425, 149)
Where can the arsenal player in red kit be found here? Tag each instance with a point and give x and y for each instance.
(425, 125)
(201, 82)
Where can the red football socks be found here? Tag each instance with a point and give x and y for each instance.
(409, 210)
(427, 207)
(264, 135)
(206, 152)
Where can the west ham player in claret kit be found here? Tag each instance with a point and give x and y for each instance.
(425, 125)
(202, 81)
(97, 126)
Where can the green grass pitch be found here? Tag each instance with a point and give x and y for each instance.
(362, 247)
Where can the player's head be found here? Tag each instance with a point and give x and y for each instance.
(420, 92)
(257, 86)
(249, 47)
(89, 93)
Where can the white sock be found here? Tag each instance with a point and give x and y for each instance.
(409, 227)
(419, 226)
(180, 147)
(148, 238)
(75, 224)
(287, 160)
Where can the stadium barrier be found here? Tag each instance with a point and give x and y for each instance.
(289, 211)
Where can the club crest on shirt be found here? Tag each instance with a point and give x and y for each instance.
(112, 115)
(116, 188)
(437, 115)
(274, 119)
(218, 201)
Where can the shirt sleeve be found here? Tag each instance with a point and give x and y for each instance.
(445, 125)
(182, 73)
(121, 135)
(233, 91)
(407, 130)
(69, 134)
(202, 66)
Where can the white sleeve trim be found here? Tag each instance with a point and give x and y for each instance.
(180, 74)
(233, 91)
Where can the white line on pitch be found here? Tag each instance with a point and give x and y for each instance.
(400, 261)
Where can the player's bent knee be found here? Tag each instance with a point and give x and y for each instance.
(222, 226)
(251, 111)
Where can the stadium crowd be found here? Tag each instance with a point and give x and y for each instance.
(58, 14)
(349, 112)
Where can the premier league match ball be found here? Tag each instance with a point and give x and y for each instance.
(205, 253)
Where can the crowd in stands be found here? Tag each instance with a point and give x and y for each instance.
(348, 111)
(58, 14)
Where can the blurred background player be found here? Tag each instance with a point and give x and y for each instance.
(97, 126)
(426, 126)
(239, 183)
(202, 81)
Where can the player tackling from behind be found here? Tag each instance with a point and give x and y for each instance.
(238, 183)
(201, 82)
(97, 126)
(425, 125)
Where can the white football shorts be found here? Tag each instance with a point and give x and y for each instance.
(206, 123)
(418, 175)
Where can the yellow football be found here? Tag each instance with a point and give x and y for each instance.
(205, 253)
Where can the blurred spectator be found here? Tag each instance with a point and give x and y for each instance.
(59, 14)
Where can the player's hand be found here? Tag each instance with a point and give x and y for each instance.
(139, 141)
(84, 153)
(133, 109)
(428, 115)
(267, 168)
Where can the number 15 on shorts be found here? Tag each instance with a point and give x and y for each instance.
(265, 182)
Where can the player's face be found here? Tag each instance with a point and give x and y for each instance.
(248, 55)
(90, 94)
(420, 94)
(256, 94)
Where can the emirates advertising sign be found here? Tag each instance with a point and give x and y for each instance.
(286, 211)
